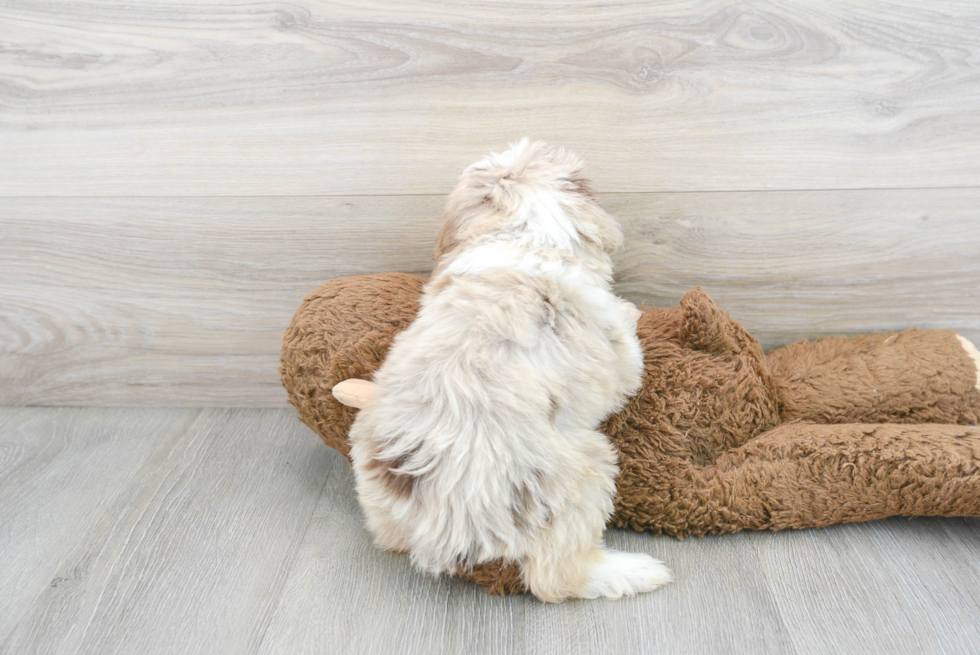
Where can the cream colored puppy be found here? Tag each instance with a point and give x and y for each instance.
(481, 440)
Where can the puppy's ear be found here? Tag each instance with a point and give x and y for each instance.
(447, 237)
(594, 224)
(610, 234)
(597, 226)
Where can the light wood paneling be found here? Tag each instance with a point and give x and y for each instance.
(178, 301)
(182, 301)
(205, 98)
(192, 555)
(791, 266)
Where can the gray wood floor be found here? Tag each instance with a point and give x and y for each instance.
(141, 530)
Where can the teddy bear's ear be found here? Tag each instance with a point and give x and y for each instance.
(708, 328)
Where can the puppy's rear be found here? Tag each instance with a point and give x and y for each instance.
(480, 442)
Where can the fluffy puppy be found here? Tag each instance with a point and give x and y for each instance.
(480, 442)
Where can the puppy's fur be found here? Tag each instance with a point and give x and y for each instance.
(480, 442)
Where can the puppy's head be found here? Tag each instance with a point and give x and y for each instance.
(532, 191)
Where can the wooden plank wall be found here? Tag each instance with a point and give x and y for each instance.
(174, 177)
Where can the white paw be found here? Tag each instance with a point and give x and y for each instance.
(632, 311)
(971, 350)
(625, 574)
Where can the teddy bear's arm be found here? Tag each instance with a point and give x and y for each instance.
(915, 376)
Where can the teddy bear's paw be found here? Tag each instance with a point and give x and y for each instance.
(625, 574)
(353, 392)
(974, 354)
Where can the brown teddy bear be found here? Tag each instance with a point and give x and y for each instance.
(721, 437)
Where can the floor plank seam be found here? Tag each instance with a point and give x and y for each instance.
(76, 543)
(770, 594)
(297, 547)
(133, 527)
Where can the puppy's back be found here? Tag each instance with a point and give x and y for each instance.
(477, 413)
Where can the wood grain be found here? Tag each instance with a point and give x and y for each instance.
(315, 97)
(182, 301)
(791, 266)
(880, 587)
(205, 531)
(178, 301)
(192, 555)
(60, 469)
(720, 602)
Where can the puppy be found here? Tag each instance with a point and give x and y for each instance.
(481, 442)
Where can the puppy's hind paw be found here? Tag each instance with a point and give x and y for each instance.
(625, 574)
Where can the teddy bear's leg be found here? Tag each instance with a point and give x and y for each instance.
(807, 475)
(915, 376)
(497, 577)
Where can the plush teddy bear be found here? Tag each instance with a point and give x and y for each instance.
(721, 437)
